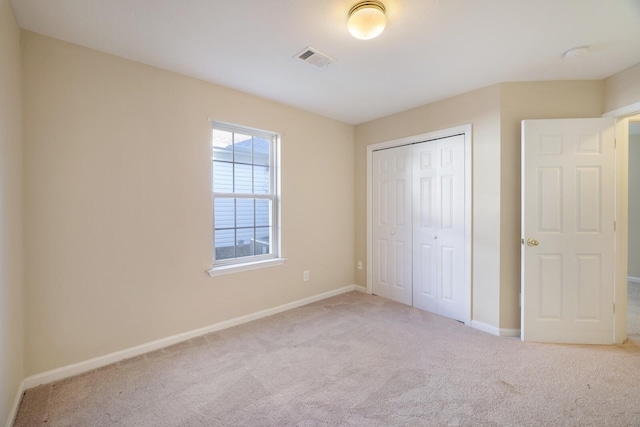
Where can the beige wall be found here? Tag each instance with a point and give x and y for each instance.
(519, 101)
(634, 206)
(11, 271)
(622, 89)
(118, 204)
(481, 108)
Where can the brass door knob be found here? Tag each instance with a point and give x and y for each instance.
(532, 242)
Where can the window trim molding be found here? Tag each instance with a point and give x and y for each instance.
(233, 265)
(220, 270)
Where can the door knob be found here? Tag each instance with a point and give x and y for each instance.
(532, 242)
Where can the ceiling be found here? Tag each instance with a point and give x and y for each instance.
(430, 50)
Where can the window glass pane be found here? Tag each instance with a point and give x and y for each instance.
(263, 237)
(244, 242)
(222, 177)
(261, 180)
(224, 213)
(243, 178)
(242, 147)
(224, 244)
(261, 151)
(263, 212)
(222, 145)
(243, 164)
(244, 213)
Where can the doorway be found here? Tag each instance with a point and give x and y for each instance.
(419, 221)
(623, 116)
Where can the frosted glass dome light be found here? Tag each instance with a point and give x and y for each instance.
(367, 19)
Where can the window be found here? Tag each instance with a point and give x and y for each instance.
(245, 199)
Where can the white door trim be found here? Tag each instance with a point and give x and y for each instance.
(465, 130)
(627, 110)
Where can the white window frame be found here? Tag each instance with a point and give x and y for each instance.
(233, 265)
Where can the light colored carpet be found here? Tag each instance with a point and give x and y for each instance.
(352, 360)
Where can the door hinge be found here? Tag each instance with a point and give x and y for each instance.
(614, 308)
(615, 143)
(614, 226)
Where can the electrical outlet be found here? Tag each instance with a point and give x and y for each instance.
(359, 265)
(305, 275)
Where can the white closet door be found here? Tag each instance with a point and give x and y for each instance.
(439, 227)
(392, 224)
(426, 225)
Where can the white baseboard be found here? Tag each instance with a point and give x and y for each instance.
(16, 405)
(633, 279)
(515, 333)
(490, 329)
(359, 288)
(98, 362)
(484, 327)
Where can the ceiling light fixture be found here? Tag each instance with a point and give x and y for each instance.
(577, 51)
(367, 19)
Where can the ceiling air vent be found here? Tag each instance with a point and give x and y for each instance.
(314, 57)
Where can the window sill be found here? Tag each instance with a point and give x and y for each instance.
(236, 268)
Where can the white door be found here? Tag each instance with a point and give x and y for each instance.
(568, 192)
(439, 227)
(392, 224)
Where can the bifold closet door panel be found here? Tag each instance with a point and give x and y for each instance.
(392, 224)
(438, 226)
(425, 225)
(451, 249)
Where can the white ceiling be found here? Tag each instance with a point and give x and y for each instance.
(430, 50)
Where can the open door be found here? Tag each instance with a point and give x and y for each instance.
(568, 202)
